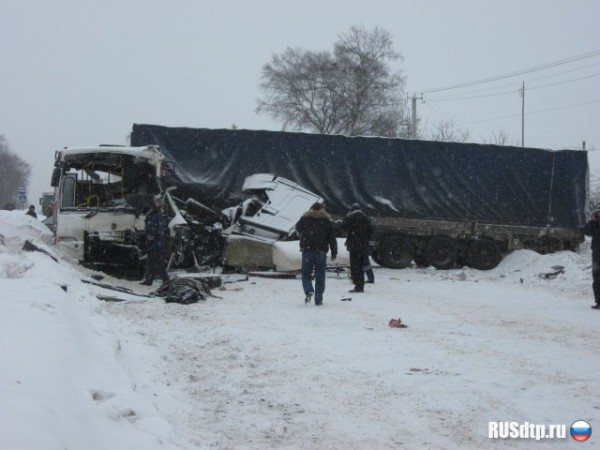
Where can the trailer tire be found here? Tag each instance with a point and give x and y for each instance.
(395, 252)
(483, 254)
(441, 252)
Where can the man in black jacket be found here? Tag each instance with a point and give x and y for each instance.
(316, 238)
(31, 211)
(360, 234)
(592, 228)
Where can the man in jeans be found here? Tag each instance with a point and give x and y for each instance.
(316, 238)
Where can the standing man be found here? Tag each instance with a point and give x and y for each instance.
(31, 211)
(360, 234)
(592, 228)
(155, 244)
(316, 238)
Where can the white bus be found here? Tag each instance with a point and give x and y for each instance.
(100, 195)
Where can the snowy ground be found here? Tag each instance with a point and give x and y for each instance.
(254, 368)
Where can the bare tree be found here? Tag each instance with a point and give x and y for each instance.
(352, 90)
(14, 172)
(499, 138)
(448, 132)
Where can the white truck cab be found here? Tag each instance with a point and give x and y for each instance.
(268, 215)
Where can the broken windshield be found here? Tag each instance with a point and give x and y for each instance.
(107, 180)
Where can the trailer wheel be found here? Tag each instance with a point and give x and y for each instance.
(441, 252)
(483, 254)
(395, 252)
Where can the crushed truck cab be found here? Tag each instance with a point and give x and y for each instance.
(269, 214)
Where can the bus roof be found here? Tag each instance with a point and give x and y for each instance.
(147, 151)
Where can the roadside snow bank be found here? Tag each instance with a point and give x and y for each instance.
(62, 382)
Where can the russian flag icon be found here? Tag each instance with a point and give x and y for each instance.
(581, 430)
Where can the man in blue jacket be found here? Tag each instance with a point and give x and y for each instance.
(316, 238)
(592, 229)
(155, 230)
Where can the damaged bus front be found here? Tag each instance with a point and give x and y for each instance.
(100, 194)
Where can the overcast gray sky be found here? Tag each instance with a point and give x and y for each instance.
(77, 72)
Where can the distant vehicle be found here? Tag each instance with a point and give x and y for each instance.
(434, 203)
(47, 205)
(46, 201)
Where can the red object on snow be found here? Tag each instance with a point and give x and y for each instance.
(396, 323)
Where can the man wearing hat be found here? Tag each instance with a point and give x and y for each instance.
(155, 243)
(359, 234)
(592, 229)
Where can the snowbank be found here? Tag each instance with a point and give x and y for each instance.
(63, 383)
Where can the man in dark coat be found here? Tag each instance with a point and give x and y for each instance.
(592, 229)
(316, 238)
(359, 235)
(31, 212)
(155, 240)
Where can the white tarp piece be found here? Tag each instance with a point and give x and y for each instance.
(287, 256)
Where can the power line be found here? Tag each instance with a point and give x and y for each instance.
(539, 111)
(472, 97)
(562, 73)
(571, 59)
(512, 91)
(437, 111)
(563, 82)
(513, 85)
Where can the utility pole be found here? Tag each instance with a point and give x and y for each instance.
(523, 115)
(413, 125)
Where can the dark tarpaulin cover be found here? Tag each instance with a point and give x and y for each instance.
(389, 177)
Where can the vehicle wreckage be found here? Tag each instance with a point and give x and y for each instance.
(432, 203)
(101, 193)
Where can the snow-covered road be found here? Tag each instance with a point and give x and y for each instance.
(255, 368)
